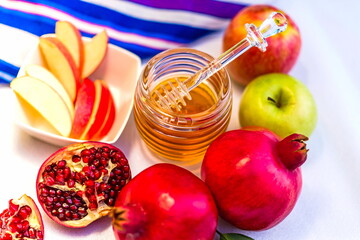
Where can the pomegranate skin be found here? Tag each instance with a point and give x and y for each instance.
(165, 202)
(252, 187)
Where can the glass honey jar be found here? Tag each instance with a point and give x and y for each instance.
(181, 135)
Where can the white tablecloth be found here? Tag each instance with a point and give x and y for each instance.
(329, 205)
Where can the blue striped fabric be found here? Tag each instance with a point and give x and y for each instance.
(144, 27)
(7, 71)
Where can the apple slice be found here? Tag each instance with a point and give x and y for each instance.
(41, 73)
(70, 36)
(100, 110)
(109, 119)
(84, 106)
(60, 62)
(94, 53)
(50, 106)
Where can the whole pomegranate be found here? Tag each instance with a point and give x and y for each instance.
(80, 183)
(254, 176)
(165, 202)
(22, 220)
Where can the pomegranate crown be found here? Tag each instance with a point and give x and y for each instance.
(292, 150)
(128, 219)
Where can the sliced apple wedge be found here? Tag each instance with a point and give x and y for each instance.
(83, 108)
(70, 36)
(109, 119)
(60, 62)
(41, 73)
(99, 112)
(51, 108)
(94, 53)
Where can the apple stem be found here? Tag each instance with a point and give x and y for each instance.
(273, 100)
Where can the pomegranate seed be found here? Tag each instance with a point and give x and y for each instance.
(19, 235)
(69, 201)
(15, 219)
(13, 207)
(96, 162)
(85, 159)
(65, 205)
(40, 235)
(76, 158)
(105, 149)
(97, 155)
(111, 202)
(97, 174)
(67, 172)
(71, 183)
(60, 179)
(105, 155)
(61, 164)
(54, 212)
(86, 169)
(93, 206)
(12, 227)
(81, 210)
(104, 171)
(123, 162)
(85, 152)
(92, 199)
(7, 236)
(24, 212)
(49, 180)
(25, 225)
(32, 233)
(68, 214)
(89, 183)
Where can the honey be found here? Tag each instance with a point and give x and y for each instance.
(181, 135)
(202, 97)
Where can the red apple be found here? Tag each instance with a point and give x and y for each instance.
(83, 108)
(59, 61)
(41, 73)
(70, 36)
(100, 111)
(94, 53)
(282, 51)
(110, 117)
(44, 107)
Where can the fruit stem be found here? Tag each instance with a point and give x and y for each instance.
(292, 150)
(275, 102)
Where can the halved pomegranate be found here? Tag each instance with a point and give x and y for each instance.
(21, 220)
(79, 183)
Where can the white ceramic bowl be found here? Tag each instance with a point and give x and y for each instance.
(120, 69)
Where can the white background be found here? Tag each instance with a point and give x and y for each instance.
(329, 205)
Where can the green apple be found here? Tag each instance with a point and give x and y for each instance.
(280, 103)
